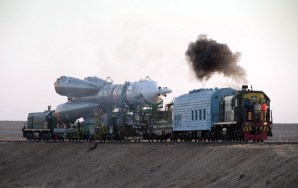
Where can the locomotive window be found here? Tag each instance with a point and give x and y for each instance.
(196, 115)
(254, 98)
(192, 115)
(236, 102)
(200, 114)
(204, 114)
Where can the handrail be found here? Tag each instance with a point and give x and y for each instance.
(229, 117)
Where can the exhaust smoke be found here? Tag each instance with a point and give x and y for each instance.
(207, 57)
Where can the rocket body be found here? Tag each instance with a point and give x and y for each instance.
(86, 95)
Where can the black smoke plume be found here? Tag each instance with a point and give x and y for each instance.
(206, 57)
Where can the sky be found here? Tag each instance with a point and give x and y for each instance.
(129, 40)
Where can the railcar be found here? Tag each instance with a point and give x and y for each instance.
(193, 114)
(45, 126)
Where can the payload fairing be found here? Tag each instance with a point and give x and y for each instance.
(94, 93)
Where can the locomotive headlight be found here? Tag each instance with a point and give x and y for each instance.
(265, 123)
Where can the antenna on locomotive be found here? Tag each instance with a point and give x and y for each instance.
(250, 87)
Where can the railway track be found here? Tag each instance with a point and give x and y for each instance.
(155, 142)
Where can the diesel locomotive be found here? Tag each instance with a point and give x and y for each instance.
(222, 114)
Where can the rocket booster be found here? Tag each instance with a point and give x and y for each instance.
(92, 92)
(73, 87)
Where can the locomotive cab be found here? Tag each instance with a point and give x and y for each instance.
(252, 112)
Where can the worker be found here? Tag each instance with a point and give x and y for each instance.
(257, 108)
(248, 107)
(24, 133)
(79, 125)
(264, 107)
(264, 110)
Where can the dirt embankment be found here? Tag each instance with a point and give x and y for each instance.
(41, 164)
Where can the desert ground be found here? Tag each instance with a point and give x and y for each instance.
(273, 163)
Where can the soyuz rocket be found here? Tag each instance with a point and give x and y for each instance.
(95, 93)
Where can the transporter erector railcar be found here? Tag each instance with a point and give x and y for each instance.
(45, 126)
(112, 111)
(220, 114)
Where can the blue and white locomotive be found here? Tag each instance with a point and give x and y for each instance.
(220, 114)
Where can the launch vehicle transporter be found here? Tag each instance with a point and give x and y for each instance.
(132, 111)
